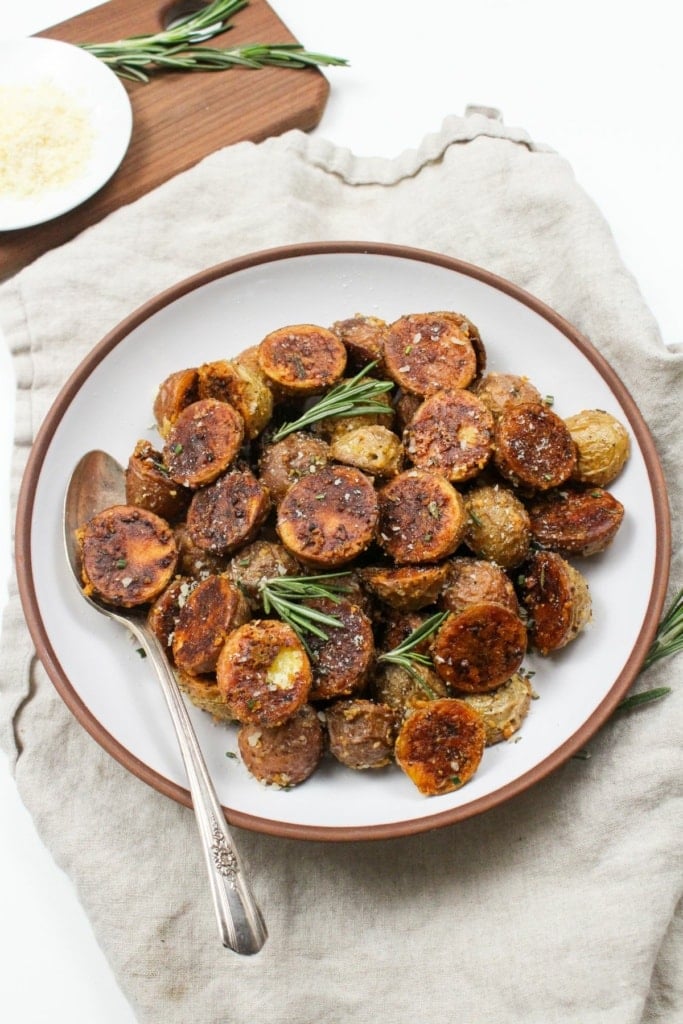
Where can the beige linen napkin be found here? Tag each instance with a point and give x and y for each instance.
(556, 908)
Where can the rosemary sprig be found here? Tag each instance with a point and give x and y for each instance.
(405, 655)
(285, 596)
(355, 397)
(176, 48)
(669, 636)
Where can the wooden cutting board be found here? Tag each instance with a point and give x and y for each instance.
(179, 118)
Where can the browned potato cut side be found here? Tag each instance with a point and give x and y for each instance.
(203, 442)
(451, 434)
(498, 390)
(440, 745)
(264, 673)
(259, 561)
(372, 449)
(128, 555)
(421, 517)
(328, 519)
(406, 587)
(341, 663)
(576, 520)
(480, 648)
(194, 561)
(476, 580)
(302, 359)
(471, 331)
(603, 446)
(557, 599)
(405, 407)
(286, 462)
(232, 382)
(533, 447)
(363, 337)
(175, 393)
(283, 755)
(149, 485)
(163, 614)
(498, 526)
(212, 610)
(504, 709)
(361, 733)
(203, 692)
(426, 352)
(227, 515)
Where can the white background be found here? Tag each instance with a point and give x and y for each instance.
(599, 82)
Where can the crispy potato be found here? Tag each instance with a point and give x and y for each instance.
(285, 462)
(426, 352)
(405, 407)
(341, 664)
(406, 587)
(498, 390)
(302, 359)
(363, 337)
(504, 709)
(225, 516)
(234, 382)
(440, 745)
(175, 393)
(404, 691)
(396, 625)
(264, 673)
(203, 692)
(148, 484)
(328, 519)
(128, 556)
(575, 520)
(602, 444)
(480, 648)
(283, 755)
(333, 426)
(163, 613)
(451, 434)
(533, 447)
(212, 610)
(473, 580)
(204, 440)
(361, 733)
(194, 561)
(261, 560)
(472, 333)
(422, 517)
(372, 449)
(557, 599)
(497, 525)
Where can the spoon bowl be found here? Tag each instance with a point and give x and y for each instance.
(97, 483)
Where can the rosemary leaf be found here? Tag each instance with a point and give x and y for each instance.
(285, 595)
(669, 636)
(405, 655)
(644, 697)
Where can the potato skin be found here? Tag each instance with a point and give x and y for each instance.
(498, 390)
(341, 664)
(476, 580)
(203, 692)
(283, 755)
(194, 561)
(426, 352)
(212, 610)
(373, 449)
(575, 520)
(398, 689)
(363, 337)
(225, 516)
(234, 382)
(480, 648)
(361, 733)
(175, 393)
(149, 486)
(258, 561)
(498, 526)
(421, 517)
(440, 745)
(557, 599)
(163, 613)
(204, 440)
(504, 709)
(405, 587)
(128, 555)
(451, 433)
(285, 463)
(302, 359)
(328, 519)
(603, 446)
(264, 673)
(532, 447)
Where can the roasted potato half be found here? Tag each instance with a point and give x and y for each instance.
(361, 733)
(406, 587)
(363, 337)
(203, 692)
(286, 462)
(575, 520)
(504, 709)
(480, 648)
(452, 434)
(175, 393)
(557, 599)
(498, 390)
(422, 517)
(373, 449)
(225, 516)
(341, 663)
(149, 485)
(440, 745)
(302, 359)
(497, 525)
(476, 580)
(261, 560)
(603, 446)
(533, 446)
(426, 352)
(404, 691)
(212, 610)
(283, 755)
(234, 382)
(202, 443)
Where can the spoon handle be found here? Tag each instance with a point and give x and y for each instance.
(240, 924)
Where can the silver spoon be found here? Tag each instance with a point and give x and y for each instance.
(97, 483)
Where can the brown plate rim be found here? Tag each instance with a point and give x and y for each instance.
(133, 764)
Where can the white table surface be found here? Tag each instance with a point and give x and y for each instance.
(599, 82)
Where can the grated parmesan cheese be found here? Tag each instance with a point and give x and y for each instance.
(46, 139)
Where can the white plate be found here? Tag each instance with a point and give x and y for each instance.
(92, 87)
(107, 404)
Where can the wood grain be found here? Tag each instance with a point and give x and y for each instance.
(178, 118)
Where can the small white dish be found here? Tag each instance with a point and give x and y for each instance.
(96, 93)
